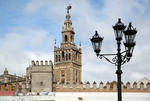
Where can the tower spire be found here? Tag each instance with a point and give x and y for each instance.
(68, 23)
(67, 29)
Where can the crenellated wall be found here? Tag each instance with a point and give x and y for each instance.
(39, 75)
(40, 66)
(101, 87)
(41, 63)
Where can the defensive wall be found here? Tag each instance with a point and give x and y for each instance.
(86, 87)
(101, 87)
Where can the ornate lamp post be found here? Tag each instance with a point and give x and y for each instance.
(120, 57)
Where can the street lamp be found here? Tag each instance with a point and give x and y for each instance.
(97, 42)
(118, 30)
(129, 43)
(119, 58)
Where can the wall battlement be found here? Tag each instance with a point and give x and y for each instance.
(40, 66)
(41, 63)
(101, 87)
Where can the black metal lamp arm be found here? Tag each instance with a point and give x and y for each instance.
(114, 59)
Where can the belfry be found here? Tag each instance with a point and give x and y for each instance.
(67, 57)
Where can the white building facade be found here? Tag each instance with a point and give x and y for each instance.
(84, 96)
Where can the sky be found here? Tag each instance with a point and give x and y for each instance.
(28, 29)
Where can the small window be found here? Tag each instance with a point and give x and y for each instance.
(59, 58)
(73, 74)
(62, 54)
(41, 83)
(69, 56)
(66, 57)
(62, 81)
(76, 76)
(71, 38)
(56, 58)
(62, 73)
(66, 38)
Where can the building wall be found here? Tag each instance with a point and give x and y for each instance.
(71, 96)
(40, 74)
(41, 82)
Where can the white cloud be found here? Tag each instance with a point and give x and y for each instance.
(21, 46)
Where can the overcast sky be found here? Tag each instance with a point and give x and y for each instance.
(28, 29)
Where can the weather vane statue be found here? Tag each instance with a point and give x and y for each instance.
(68, 8)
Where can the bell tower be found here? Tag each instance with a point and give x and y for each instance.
(67, 57)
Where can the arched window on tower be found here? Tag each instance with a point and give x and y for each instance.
(76, 76)
(66, 38)
(76, 56)
(59, 58)
(79, 77)
(66, 57)
(71, 38)
(62, 76)
(62, 54)
(73, 75)
(69, 56)
(56, 58)
(62, 73)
